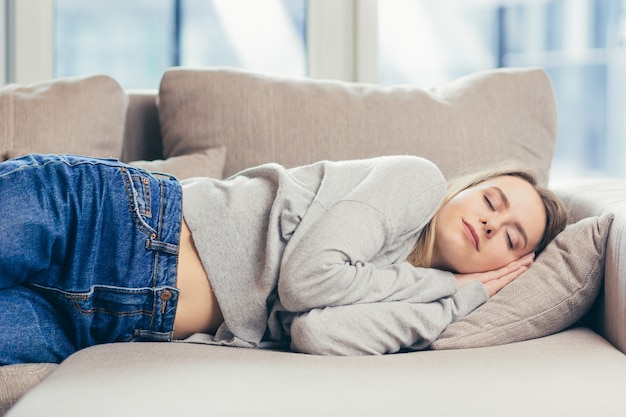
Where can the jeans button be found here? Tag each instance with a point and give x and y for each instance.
(166, 295)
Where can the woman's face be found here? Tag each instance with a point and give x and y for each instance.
(488, 226)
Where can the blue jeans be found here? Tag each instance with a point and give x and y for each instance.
(88, 255)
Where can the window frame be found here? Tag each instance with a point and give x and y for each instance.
(29, 44)
(341, 40)
(3, 42)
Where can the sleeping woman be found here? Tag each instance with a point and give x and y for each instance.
(341, 258)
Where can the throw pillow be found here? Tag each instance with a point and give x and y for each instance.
(207, 163)
(80, 115)
(555, 292)
(470, 123)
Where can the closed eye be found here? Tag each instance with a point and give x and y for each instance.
(509, 241)
(491, 207)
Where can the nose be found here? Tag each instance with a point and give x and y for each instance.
(490, 226)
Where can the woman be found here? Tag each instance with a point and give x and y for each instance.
(334, 258)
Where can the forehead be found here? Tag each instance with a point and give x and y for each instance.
(514, 185)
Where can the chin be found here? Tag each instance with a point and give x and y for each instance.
(461, 270)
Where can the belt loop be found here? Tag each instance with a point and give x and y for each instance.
(157, 245)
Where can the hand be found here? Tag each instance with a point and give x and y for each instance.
(494, 281)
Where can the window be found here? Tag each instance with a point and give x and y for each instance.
(266, 35)
(129, 40)
(433, 42)
(581, 43)
(136, 40)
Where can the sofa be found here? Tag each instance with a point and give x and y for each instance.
(551, 343)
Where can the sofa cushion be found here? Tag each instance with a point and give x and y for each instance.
(573, 373)
(555, 292)
(206, 163)
(15, 380)
(79, 115)
(478, 119)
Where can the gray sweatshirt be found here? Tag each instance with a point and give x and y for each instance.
(315, 256)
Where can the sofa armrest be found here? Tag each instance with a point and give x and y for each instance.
(593, 197)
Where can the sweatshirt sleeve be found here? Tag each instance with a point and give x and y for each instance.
(379, 328)
(347, 256)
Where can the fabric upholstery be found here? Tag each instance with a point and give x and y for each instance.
(206, 163)
(574, 373)
(142, 133)
(81, 115)
(16, 380)
(476, 120)
(593, 197)
(555, 292)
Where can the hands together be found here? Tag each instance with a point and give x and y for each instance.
(494, 281)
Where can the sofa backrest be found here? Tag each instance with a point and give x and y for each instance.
(480, 119)
(142, 132)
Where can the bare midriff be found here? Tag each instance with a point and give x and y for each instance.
(198, 310)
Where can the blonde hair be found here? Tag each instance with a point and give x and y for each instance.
(556, 214)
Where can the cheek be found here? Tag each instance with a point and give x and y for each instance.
(493, 257)
(455, 207)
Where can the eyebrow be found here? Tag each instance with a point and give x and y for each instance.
(507, 204)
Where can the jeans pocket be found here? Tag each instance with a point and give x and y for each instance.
(113, 301)
(106, 313)
(139, 193)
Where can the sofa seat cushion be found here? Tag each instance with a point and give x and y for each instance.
(475, 121)
(79, 115)
(574, 373)
(15, 380)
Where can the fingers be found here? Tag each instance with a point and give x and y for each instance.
(524, 262)
(495, 280)
(495, 285)
(527, 260)
(497, 274)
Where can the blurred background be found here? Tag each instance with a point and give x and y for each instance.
(581, 43)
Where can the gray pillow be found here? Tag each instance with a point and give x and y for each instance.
(555, 292)
(77, 115)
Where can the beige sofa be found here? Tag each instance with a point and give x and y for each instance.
(552, 344)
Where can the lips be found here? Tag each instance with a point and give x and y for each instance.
(471, 234)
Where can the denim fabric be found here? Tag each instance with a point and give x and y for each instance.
(88, 255)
